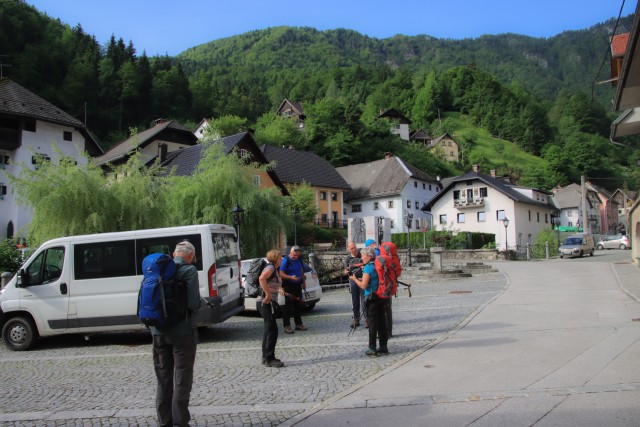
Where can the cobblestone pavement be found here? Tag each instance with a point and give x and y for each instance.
(109, 379)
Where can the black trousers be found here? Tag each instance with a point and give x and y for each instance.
(357, 301)
(270, 335)
(376, 315)
(292, 307)
(173, 359)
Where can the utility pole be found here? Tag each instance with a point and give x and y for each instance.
(583, 190)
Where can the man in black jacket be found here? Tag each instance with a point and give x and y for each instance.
(353, 266)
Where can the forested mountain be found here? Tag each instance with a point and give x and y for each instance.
(534, 93)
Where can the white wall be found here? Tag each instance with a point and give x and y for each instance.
(519, 225)
(42, 141)
(396, 214)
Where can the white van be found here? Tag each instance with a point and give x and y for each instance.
(87, 284)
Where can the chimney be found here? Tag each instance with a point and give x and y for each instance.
(475, 168)
(493, 173)
(158, 122)
(163, 152)
(388, 155)
(381, 111)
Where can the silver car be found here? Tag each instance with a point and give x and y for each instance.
(620, 241)
(311, 296)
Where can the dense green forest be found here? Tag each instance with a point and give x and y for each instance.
(526, 96)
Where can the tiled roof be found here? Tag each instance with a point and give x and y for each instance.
(500, 185)
(142, 139)
(380, 178)
(435, 141)
(619, 44)
(392, 113)
(295, 167)
(16, 100)
(567, 197)
(294, 104)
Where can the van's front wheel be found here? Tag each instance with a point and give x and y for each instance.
(19, 333)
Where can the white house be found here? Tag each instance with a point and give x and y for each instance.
(389, 188)
(568, 200)
(480, 203)
(399, 123)
(31, 126)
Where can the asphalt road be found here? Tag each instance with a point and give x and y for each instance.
(109, 379)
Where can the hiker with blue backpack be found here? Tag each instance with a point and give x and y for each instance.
(376, 306)
(174, 345)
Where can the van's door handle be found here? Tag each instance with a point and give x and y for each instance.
(63, 288)
(231, 272)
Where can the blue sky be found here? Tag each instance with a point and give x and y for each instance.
(163, 26)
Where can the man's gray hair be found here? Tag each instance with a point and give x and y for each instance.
(186, 248)
(369, 251)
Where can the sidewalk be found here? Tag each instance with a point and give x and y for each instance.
(561, 346)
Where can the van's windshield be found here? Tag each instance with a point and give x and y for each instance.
(573, 241)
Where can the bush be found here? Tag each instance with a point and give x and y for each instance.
(10, 258)
(445, 239)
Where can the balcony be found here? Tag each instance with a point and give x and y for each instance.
(9, 139)
(476, 202)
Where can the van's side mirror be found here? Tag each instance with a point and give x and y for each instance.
(22, 280)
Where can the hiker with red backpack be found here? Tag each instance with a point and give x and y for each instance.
(376, 305)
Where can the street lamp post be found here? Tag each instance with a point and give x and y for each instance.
(407, 221)
(237, 212)
(556, 222)
(506, 243)
(295, 229)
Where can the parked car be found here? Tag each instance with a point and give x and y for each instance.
(311, 296)
(577, 246)
(620, 241)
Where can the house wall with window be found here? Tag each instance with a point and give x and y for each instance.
(485, 214)
(415, 194)
(39, 139)
(330, 207)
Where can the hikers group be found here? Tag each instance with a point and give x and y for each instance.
(373, 280)
(169, 295)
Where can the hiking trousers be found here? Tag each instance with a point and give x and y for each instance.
(270, 335)
(173, 359)
(376, 316)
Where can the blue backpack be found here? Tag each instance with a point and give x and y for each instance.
(162, 300)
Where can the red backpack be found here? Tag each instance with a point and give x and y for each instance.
(391, 250)
(387, 280)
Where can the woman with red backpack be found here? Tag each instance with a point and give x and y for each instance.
(376, 306)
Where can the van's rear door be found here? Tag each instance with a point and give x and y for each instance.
(227, 275)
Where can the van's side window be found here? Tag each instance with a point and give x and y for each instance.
(166, 245)
(226, 250)
(46, 267)
(106, 259)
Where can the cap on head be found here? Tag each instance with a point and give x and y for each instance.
(369, 242)
(295, 248)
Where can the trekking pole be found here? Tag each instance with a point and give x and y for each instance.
(407, 285)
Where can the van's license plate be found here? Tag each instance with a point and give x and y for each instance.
(223, 291)
(311, 294)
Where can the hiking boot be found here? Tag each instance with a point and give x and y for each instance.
(371, 352)
(301, 327)
(383, 351)
(355, 323)
(274, 363)
(264, 361)
(288, 330)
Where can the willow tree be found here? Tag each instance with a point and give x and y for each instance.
(210, 193)
(69, 199)
(65, 199)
